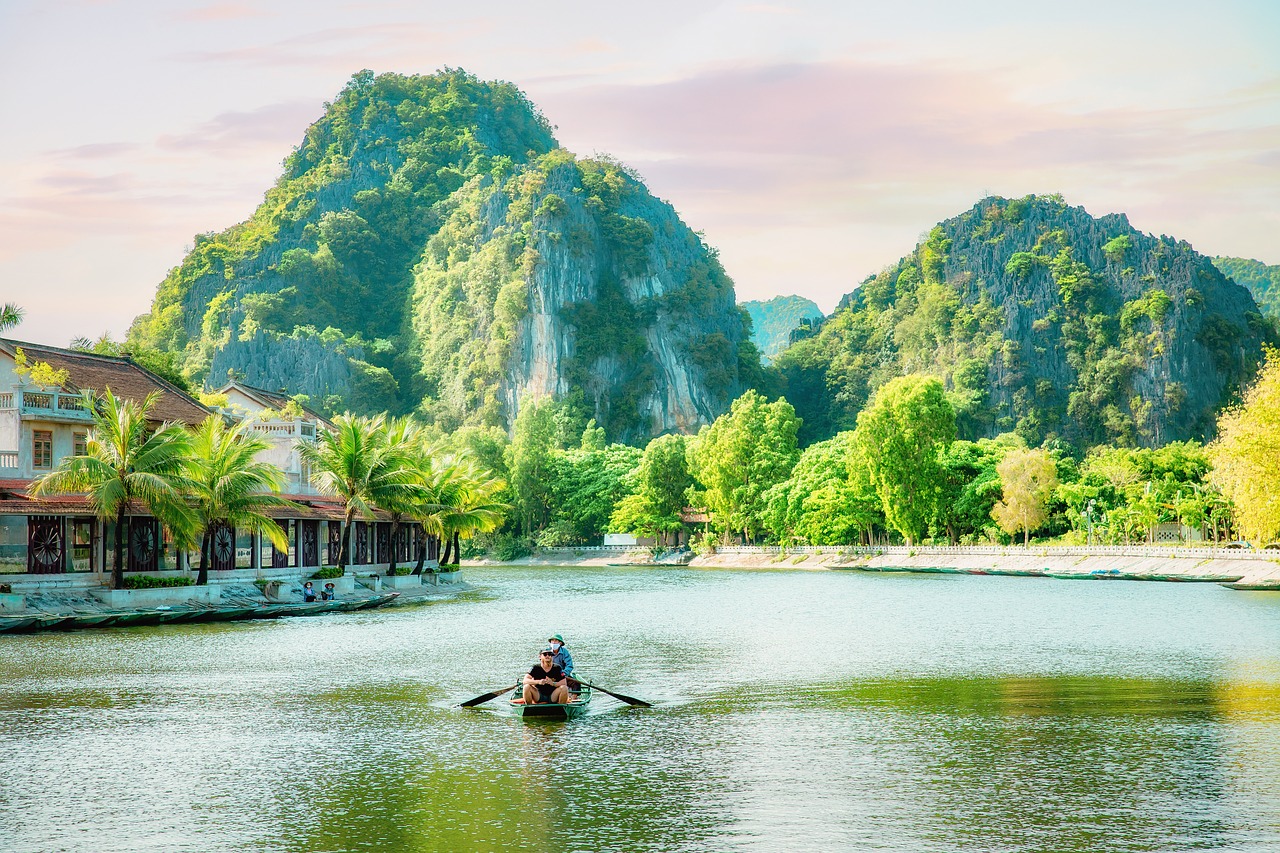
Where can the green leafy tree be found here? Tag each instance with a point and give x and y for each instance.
(1027, 481)
(228, 486)
(585, 487)
(741, 456)
(903, 432)
(826, 500)
(1246, 455)
(660, 483)
(127, 460)
(972, 485)
(537, 436)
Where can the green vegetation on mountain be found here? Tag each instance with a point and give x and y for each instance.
(774, 321)
(1042, 320)
(1263, 280)
(428, 247)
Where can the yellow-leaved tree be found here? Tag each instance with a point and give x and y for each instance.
(1246, 455)
(1027, 478)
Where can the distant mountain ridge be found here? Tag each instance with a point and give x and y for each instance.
(1043, 320)
(1263, 280)
(429, 248)
(773, 321)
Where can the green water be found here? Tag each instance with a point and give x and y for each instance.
(794, 711)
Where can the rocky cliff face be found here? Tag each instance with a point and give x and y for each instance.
(428, 247)
(1044, 320)
(570, 280)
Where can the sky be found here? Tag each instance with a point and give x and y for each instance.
(813, 143)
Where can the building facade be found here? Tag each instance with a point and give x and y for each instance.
(58, 541)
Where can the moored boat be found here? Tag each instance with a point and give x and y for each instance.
(575, 707)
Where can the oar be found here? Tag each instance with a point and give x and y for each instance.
(485, 697)
(630, 700)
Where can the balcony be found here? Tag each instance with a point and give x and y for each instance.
(46, 405)
(305, 430)
(9, 464)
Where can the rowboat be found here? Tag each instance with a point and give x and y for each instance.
(575, 707)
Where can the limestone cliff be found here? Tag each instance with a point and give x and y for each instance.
(429, 248)
(1044, 320)
(570, 280)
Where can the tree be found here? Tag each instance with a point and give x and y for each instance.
(741, 456)
(126, 461)
(229, 488)
(398, 485)
(660, 483)
(902, 433)
(10, 316)
(355, 462)
(468, 503)
(823, 502)
(1027, 480)
(1246, 454)
(971, 484)
(584, 487)
(536, 438)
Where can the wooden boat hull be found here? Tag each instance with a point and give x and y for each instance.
(551, 711)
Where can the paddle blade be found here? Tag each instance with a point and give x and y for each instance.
(621, 697)
(485, 697)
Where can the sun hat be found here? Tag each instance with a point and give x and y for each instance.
(557, 638)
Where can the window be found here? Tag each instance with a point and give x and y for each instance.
(79, 444)
(42, 448)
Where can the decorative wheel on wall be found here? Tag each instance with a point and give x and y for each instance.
(46, 546)
(142, 545)
(224, 547)
(309, 537)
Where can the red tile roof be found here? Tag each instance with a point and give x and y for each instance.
(124, 377)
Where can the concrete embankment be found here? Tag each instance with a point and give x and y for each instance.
(1244, 569)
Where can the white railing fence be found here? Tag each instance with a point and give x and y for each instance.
(1199, 552)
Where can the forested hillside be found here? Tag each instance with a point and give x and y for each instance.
(1263, 280)
(428, 247)
(1043, 320)
(773, 321)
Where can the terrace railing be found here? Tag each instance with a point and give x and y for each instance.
(60, 404)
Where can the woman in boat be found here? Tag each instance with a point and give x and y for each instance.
(545, 682)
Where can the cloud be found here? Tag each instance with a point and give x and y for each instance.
(219, 12)
(273, 124)
(391, 44)
(878, 152)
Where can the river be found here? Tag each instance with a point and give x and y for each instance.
(794, 710)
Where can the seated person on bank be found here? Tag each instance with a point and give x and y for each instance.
(308, 591)
(329, 594)
(545, 682)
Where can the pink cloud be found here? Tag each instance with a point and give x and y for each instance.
(220, 12)
(275, 124)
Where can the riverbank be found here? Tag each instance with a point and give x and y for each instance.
(1241, 569)
(70, 609)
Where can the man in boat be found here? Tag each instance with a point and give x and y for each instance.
(545, 682)
(563, 659)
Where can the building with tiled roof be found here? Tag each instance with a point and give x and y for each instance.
(41, 425)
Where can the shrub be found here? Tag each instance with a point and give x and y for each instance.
(152, 582)
(326, 573)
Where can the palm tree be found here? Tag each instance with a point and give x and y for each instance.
(229, 488)
(10, 316)
(400, 489)
(470, 506)
(355, 462)
(125, 461)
